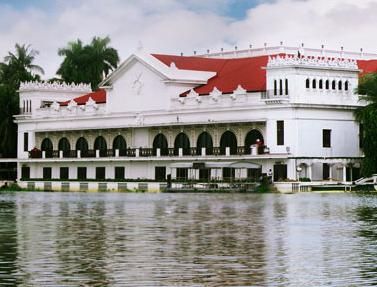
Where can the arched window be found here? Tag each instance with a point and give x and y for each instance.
(64, 146)
(340, 85)
(101, 145)
(307, 83)
(281, 87)
(204, 140)
(161, 143)
(346, 85)
(320, 84)
(47, 147)
(82, 146)
(228, 139)
(333, 85)
(286, 87)
(119, 143)
(275, 88)
(327, 84)
(182, 141)
(252, 137)
(314, 84)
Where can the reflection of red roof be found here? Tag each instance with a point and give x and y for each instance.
(246, 72)
(367, 66)
(98, 96)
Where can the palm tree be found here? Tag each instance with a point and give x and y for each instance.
(367, 117)
(19, 65)
(89, 63)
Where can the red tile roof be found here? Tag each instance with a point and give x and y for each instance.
(367, 66)
(246, 72)
(98, 96)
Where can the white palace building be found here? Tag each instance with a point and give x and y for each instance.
(229, 116)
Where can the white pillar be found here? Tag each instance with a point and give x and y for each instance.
(158, 152)
(79, 154)
(344, 173)
(227, 151)
(330, 171)
(97, 153)
(180, 151)
(43, 154)
(137, 152)
(310, 171)
(117, 152)
(60, 154)
(203, 151)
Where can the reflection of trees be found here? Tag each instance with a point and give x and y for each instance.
(8, 244)
(367, 216)
(81, 243)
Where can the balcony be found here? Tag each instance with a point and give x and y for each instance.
(275, 96)
(150, 152)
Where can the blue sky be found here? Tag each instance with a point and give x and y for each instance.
(231, 8)
(175, 26)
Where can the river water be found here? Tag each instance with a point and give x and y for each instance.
(131, 239)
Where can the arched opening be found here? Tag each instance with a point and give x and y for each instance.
(182, 141)
(275, 88)
(333, 85)
(204, 141)
(119, 143)
(314, 84)
(82, 146)
(253, 137)
(340, 85)
(228, 139)
(101, 145)
(346, 85)
(286, 87)
(161, 143)
(47, 147)
(64, 146)
(307, 84)
(327, 84)
(320, 84)
(281, 87)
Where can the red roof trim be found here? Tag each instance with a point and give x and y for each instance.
(98, 96)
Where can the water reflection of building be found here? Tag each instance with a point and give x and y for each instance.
(218, 116)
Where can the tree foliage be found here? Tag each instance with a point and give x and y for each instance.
(88, 63)
(367, 116)
(17, 67)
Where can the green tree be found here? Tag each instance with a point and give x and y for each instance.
(88, 63)
(16, 68)
(367, 116)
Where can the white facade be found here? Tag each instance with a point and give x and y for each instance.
(143, 100)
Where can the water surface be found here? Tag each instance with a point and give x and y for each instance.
(121, 239)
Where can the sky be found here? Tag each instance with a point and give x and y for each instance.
(175, 26)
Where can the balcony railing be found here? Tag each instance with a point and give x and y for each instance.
(150, 152)
(275, 94)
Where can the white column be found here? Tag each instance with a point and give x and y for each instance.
(310, 171)
(227, 151)
(180, 152)
(203, 151)
(344, 173)
(330, 171)
(60, 154)
(117, 152)
(137, 152)
(158, 152)
(79, 154)
(43, 154)
(97, 153)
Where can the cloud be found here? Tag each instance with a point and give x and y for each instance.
(173, 26)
